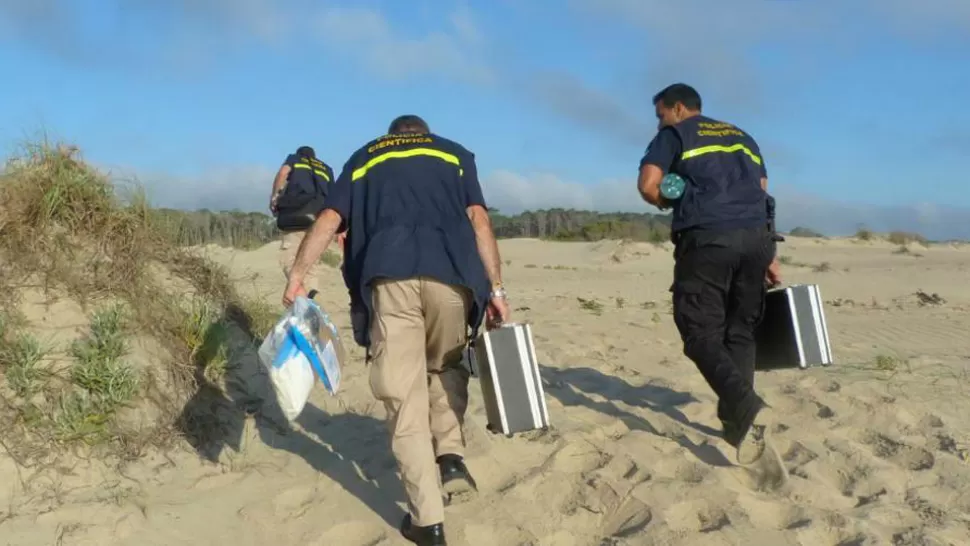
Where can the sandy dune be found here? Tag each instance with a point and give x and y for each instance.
(874, 444)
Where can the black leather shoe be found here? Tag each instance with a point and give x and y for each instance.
(432, 535)
(455, 477)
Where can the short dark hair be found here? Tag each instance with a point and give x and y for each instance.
(306, 151)
(408, 123)
(679, 92)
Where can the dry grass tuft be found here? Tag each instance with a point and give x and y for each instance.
(904, 238)
(65, 230)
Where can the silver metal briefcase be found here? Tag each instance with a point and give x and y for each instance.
(793, 332)
(504, 359)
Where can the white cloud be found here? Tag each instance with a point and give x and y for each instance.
(513, 192)
(718, 46)
(200, 31)
(922, 20)
(463, 22)
(795, 208)
(247, 189)
(366, 32)
(571, 98)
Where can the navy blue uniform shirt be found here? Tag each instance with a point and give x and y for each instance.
(722, 167)
(403, 199)
(665, 149)
(308, 179)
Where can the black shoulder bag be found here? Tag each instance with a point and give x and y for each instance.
(302, 217)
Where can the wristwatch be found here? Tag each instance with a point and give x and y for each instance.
(497, 292)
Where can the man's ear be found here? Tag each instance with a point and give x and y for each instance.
(681, 110)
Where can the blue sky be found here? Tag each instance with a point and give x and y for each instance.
(860, 111)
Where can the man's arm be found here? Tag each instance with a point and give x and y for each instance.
(761, 164)
(486, 243)
(334, 218)
(315, 244)
(649, 185)
(660, 156)
(278, 184)
(478, 215)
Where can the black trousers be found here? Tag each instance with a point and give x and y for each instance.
(718, 296)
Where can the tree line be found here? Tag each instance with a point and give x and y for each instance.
(253, 229)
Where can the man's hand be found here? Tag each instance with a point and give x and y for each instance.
(773, 276)
(314, 244)
(294, 289)
(497, 311)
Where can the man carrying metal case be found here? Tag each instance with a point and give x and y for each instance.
(423, 268)
(724, 252)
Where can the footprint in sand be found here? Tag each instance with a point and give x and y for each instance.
(682, 470)
(352, 532)
(606, 489)
(772, 514)
(696, 516)
(928, 512)
(474, 534)
(909, 457)
(293, 503)
(215, 481)
(630, 518)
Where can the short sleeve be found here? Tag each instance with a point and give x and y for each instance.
(339, 197)
(761, 158)
(291, 160)
(663, 151)
(469, 177)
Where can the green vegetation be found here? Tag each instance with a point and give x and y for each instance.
(582, 225)
(817, 268)
(900, 238)
(20, 357)
(890, 363)
(65, 232)
(592, 306)
(864, 234)
(245, 230)
(904, 238)
(250, 230)
(805, 232)
(332, 258)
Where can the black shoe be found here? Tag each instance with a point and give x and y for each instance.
(432, 535)
(455, 477)
(730, 433)
(735, 431)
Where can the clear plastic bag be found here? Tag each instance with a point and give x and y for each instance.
(302, 347)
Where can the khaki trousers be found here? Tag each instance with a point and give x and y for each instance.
(289, 245)
(417, 334)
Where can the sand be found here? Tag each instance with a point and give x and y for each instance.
(874, 444)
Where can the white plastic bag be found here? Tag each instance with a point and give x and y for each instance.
(303, 346)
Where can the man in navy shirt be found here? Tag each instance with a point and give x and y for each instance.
(299, 190)
(422, 266)
(724, 259)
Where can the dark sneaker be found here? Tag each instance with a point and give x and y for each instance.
(431, 535)
(730, 432)
(455, 477)
(757, 453)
